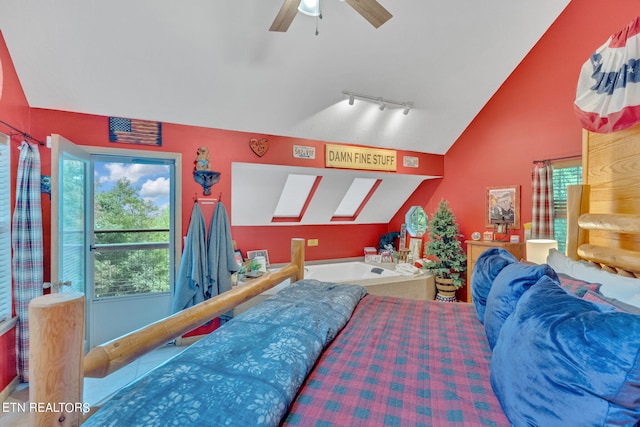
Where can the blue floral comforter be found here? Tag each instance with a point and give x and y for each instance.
(244, 374)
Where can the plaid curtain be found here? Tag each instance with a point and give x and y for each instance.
(26, 237)
(542, 210)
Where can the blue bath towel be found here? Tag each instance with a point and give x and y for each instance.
(192, 278)
(221, 258)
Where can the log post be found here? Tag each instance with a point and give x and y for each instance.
(577, 204)
(297, 257)
(56, 335)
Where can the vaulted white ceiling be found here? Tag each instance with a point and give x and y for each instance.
(214, 63)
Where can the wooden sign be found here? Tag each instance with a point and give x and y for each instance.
(259, 146)
(134, 131)
(348, 157)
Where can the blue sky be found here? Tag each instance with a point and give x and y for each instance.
(152, 181)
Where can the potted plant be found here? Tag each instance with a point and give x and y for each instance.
(445, 257)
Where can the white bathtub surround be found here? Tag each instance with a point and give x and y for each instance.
(379, 279)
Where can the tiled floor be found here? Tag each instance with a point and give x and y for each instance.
(96, 390)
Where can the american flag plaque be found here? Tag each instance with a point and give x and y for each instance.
(132, 131)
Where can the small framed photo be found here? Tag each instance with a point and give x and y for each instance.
(514, 238)
(259, 252)
(238, 255)
(487, 235)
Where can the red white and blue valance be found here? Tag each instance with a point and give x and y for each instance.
(608, 93)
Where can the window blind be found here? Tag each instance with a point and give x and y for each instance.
(5, 228)
(562, 177)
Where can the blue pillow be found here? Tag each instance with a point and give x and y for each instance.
(508, 287)
(485, 270)
(564, 361)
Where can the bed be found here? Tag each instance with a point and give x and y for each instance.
(537, 347)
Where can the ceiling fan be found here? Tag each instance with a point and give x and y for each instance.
(370, 10)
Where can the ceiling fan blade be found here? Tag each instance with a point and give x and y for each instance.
(285, 15)
(371, 10)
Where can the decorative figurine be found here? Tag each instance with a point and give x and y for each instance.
(202, 159)
(201, 173)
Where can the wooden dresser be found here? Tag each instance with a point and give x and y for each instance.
(476, 247)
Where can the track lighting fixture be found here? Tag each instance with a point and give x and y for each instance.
(382, 102)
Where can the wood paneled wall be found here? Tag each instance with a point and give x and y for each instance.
(611, 166)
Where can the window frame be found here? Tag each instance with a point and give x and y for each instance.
(560, 211)
(102, 153)
(5, 230)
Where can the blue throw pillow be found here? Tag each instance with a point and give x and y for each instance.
(564, 361)
(508, 287)
(485, 270)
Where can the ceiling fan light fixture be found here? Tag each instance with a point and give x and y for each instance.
(310, 7)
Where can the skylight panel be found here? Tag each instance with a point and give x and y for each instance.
(295, 195)
(355, 197)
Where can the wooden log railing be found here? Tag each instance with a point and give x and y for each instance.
(580, 222)
(615, 223)
(57, 332)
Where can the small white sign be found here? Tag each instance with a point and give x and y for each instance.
(304, 152)
(410, 161)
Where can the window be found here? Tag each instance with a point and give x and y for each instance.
(565, 173)
(295, 197)
(132, 226)
(5, 228)
(358, 194)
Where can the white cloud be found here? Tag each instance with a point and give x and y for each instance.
(133, 172)
(156, 188)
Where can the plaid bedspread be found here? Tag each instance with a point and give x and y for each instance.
(402, 362)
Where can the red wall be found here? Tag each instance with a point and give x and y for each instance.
(529, 118)
(15, 111)
(336, 241)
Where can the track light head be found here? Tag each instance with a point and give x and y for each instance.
(351, 99)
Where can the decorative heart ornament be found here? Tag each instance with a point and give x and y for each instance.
(259, 146)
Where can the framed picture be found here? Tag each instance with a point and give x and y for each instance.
(260, 252)
(239, 258)
(503, 205)
(487, 235)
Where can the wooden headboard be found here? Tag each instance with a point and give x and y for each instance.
(603, 224)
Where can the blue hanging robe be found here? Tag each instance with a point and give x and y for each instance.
(192, 278)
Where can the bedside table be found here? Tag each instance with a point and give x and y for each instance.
(475, 248)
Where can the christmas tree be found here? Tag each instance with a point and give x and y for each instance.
(443, 251)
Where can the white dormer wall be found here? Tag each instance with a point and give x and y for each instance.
(256, 189)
